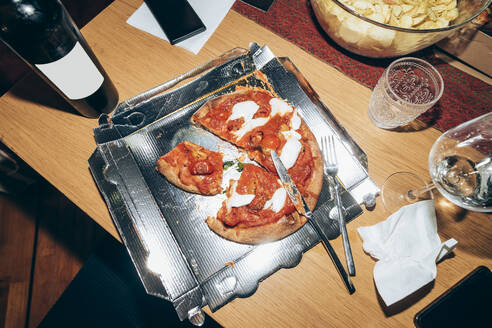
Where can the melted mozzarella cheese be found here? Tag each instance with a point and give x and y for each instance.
(276, 203)
(291, 149)
(295, 121)
(231, 173)
(238, 200)
(250, 125)
(245, 109)
(279, 106)
(291, 134)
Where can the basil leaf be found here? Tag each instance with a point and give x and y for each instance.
(240, 166)
(227, 164)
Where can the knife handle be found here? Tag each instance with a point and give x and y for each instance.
(343, 230)
(334, 257)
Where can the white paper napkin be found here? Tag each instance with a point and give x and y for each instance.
(211, 12)
(407, 247)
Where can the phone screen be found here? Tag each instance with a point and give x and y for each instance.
(466, 304)
(177, 18)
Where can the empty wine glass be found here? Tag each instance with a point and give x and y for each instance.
(460, 165)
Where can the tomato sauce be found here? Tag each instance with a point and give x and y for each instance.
(255, 180)
(197, 166)
(216, 118)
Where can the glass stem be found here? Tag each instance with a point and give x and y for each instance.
(413, 195)
(470, 173)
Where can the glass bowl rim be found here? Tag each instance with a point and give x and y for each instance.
(427, 65)
(413, 30)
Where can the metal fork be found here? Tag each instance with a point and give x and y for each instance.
(331, 170)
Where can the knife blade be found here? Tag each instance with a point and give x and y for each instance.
(290, 187)
(301, 207)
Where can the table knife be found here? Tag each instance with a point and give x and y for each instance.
(301, 207)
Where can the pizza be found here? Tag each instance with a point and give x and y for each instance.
(258, 122)
(193, 168)
(256, 208)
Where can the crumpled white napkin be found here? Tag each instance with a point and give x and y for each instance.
(407, 247)
(211, 12)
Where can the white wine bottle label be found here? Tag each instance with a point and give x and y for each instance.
(75, 74)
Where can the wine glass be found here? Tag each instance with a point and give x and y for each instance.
(460, 165)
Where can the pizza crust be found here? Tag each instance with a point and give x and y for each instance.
(260, 234)
(316, 181)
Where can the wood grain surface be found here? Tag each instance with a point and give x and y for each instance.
(65, 239)
(17, 232)
(44, 241)
(57, 143)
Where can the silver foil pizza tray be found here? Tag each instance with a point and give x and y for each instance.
(176, 255)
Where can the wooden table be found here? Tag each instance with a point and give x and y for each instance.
(57, 144)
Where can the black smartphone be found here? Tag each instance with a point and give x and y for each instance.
(260, 4)
(467, 304)
(177, 18)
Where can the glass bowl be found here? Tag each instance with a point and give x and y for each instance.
(371, 38)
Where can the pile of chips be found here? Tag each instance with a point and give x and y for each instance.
(372, 40)
(420, 14)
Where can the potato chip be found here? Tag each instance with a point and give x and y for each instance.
(406, 21)
(396, 11)
(353, 29)
(407, 8)
(419, 19)
(439, 8)
(451, 14)
(451, 5)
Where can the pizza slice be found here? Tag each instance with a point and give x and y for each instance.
(193, 168)
(256, 121)
(256, 207)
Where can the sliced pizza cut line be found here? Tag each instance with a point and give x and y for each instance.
(264, 123)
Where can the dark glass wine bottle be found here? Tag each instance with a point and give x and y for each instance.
(44, 35)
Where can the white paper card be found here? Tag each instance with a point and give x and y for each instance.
(211, 12)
